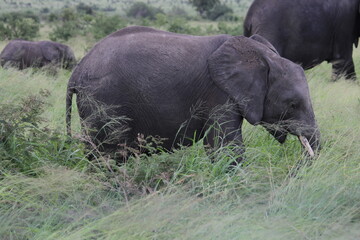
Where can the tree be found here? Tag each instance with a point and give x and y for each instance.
(24, 25)
(204, 5)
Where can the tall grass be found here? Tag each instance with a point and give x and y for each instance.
(51, 190)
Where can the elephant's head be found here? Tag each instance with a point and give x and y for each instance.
(269, 90)
(59, 53)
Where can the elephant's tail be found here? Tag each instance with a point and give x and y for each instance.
(69, 95)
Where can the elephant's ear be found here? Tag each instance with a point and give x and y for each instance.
(238, 68)
(264, 41)
(50, 52)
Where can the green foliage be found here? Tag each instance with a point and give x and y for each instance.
(180, 25)
(68, 24)
(142, 10)
(178, 12)
(23, 25)
(234, 30)
(202, 6)
(86, 9)
(103, 25)
(160, 20)
(25, 145)
(219, 10)
(63, 32)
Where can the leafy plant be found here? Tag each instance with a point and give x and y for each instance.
(217, 11)
(202, 6)
(180, 25)
(103, 25)
(69, 23)
(24, 142)
(24, 25)
(142, 10)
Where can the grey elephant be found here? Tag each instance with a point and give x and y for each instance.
(23, 54)
(162, 81)
(309, 32)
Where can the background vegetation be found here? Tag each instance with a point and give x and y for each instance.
(50, 189)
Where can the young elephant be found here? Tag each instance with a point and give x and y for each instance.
(160, 80)
(309, 32)
(23, 54)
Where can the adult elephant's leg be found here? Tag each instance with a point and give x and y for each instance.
(225, 131)
(343, 67)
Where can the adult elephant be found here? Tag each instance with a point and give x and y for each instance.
(179, 86)
(309, 32)
(23, 54)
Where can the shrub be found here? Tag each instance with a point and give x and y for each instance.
(63, 32)
(234, 30)
(202, 6)
(53, 17)
(142, 10)
(69, 23)
(217, 11)
(24, 25)
(86, 9)
(178, 12)
(160, 19)
(104, 25)
(68, 14)
(180, 25)
(45, 10)
(25, 144)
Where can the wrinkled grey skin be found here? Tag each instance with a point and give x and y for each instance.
(159, 79)
(309, 32)
(23, 54)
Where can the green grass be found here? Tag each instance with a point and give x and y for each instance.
(50, 190)
(120, 5)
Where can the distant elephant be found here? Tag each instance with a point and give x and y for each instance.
(162, 81)
(309, 32)
(23, 54)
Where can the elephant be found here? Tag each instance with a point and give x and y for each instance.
(309, 32)
(24, 54)
(179, 86)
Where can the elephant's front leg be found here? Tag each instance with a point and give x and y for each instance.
(343, 67)
(225, 131)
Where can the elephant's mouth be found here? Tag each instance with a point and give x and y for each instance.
(308, 137)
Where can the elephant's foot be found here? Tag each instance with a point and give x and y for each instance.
(346, 70)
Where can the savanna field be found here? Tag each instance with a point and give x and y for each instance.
(50, 189)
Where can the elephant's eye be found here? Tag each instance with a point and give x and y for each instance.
(294, 105)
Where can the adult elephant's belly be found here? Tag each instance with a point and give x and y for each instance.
(171, 118)
(309, 54)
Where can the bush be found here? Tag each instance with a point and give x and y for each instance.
(178, 12)
(86, 9)
(226, 29)
(180, 25)
(69, 24)
(202, 6)
(25, 144)
(24, 25)
(217, 11)
(142, 10)
(104, 25)
(63, 32)
(160, 20)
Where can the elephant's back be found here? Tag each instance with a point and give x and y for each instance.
(137, 53)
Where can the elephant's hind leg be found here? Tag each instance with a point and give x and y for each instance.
(343, 68)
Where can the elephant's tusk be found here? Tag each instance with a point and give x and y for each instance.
(306, 145)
